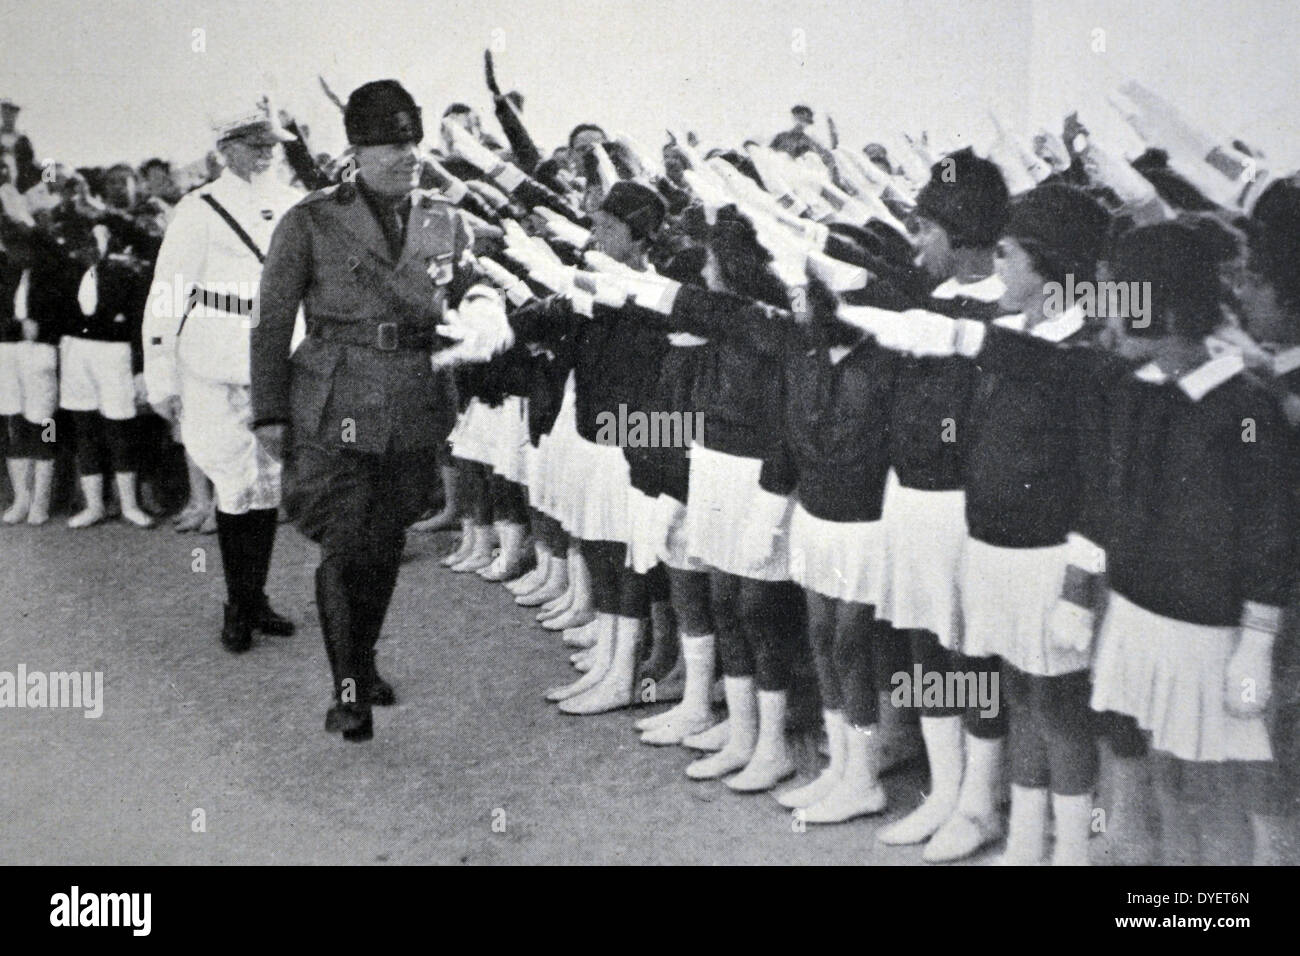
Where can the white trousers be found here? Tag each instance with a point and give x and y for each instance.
(216, 429)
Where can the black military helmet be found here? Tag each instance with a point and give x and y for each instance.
(382, 112)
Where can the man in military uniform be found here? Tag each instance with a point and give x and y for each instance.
(359, 409)
(196, 334)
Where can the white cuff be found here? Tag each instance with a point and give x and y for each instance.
(1265, 618)
(1082, 553)
(510, 177)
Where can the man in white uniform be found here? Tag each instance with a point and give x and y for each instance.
(196, 335)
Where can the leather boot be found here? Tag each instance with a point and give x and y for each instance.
(371, 588)
(258, 530)
(349, 660)
(236, 629)
(268, 621)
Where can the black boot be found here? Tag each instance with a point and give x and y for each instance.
(266, 620)
(258, 534)
(236, 630)
(349, 663)
(373, 586)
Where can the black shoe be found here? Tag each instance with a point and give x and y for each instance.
(353, 722)
(236, 630)
(382, 693)
(269, 622)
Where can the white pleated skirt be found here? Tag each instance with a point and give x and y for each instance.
(510, 448)
(1169, 676)
(472, 437)
(843, 560)
(599, 512)
(1007, 596)
(645, 534)
(724, 498)
(560, 478)
(925, 534)
(537, 460)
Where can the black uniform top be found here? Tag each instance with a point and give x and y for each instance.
(1191, 481)
(665, 469)
(1021, 474)
(736, 383)
(616, 355)
(11, 273)
(60, 254)
(124, 275)
(834, 445)
(932, 397)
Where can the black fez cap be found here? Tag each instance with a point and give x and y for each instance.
(382, 112)
(637, 205)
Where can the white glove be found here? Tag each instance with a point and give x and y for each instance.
(504, 174)
(1072, 622)
(472, 151)
(599, 261)
(515, 289)
(930, 334)
(516, 238)
(604, 168)
(1071, 627)
(480, 327)
(653, 292)
(1248, 678)
(768, 520)
(604, 288)
(838, 276)
(789, 255)
(491, 196)
(886, 327)
(651, 168)
(769, 170)
(706, 190)
(556, 278)
(562, 228)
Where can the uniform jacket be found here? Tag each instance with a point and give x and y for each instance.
(735, 382)
(1187, 484)
(329, 254)
(1022, 473)
(932, 397)
(60, 252)
(200, 249)
(128, 242)
(833, 449)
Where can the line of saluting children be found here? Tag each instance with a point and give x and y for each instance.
(1073, 529)
(916, 462)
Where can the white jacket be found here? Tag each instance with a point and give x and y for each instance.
(201, 249)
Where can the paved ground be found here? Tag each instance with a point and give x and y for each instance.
(186, 727)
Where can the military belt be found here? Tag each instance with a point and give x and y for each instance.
(384, 336)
